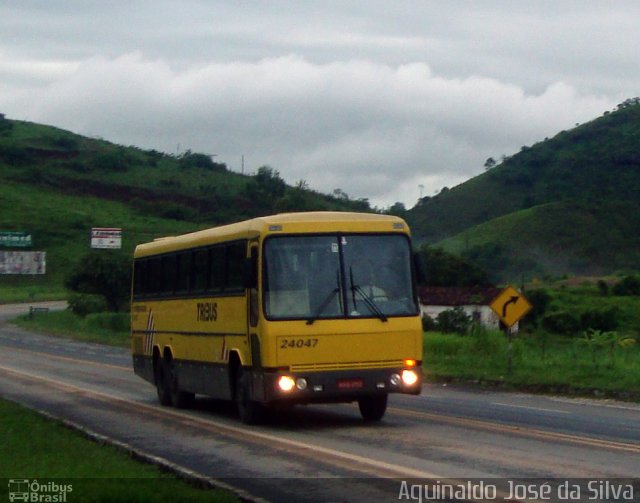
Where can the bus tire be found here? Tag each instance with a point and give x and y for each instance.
(163, 382)
(250, 412)
(373, 407)
(180, 399)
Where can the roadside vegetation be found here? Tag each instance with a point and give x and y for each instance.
(582, 337)
(597, 364)
(35, 448)
(104, 328)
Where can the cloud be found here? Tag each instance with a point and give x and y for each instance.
(375, 130)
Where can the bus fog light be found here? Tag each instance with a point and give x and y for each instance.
(395, 380)
(286, 383)
(381, 385)
(301, 384)
(409, 377)
(318, 387)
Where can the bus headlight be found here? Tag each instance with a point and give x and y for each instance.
(409, 377)
(286, 383)
(301, 384)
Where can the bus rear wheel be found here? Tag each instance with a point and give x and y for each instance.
(180, 399)
(163, 382)
(250, 412)
(372, 407)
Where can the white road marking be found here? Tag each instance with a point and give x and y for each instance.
(542, 409)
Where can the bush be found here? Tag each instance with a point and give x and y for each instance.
(114, 160)
(605, 320)
(561, 322)
(429, 324)
(84, 304)
(103, 272)
(117, 322)
(454, 321)
(540, 300)
(630, 285)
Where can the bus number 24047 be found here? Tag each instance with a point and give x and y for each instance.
(298, 343)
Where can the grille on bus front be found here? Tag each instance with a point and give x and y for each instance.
(346, 365)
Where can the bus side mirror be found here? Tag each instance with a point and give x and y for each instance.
(418, 267)
(251, 270)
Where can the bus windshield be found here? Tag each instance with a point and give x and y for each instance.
(337, 276)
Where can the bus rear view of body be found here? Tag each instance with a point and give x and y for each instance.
(291, 309)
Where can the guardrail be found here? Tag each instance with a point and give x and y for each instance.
(37, 310)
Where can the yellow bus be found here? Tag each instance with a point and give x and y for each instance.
(296, 308)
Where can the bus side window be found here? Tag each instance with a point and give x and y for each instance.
(155, 278)
(184, 272)
(169, 274)
(200, 279)
(251, 282)
(140, 287)
(216, 268)
(236, 257)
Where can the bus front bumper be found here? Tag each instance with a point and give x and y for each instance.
(334, 386)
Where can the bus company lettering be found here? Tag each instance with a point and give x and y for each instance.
(207, 311)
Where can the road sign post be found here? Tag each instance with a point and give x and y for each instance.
(510, 306)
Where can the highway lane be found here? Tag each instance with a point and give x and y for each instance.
(445, 432)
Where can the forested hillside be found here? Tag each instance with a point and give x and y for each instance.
(57, 185)
(569, 204)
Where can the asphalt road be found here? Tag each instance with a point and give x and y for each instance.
(326, 453)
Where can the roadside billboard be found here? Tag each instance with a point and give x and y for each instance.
(15, 239)
(23, 262)
(109, 238)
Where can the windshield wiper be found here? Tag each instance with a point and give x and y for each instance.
(325, 302)
(373, 307)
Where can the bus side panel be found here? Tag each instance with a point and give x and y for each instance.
(200, 333)
(204, 378)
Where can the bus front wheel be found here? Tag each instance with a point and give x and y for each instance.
(250, 412)
(373, 407)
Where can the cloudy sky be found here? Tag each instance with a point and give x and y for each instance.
(384, 99)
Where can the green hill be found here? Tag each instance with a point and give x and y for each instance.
(57, 185)
(570, 204)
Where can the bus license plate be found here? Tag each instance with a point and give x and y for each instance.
(350, 383)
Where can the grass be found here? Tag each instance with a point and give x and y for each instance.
(103, 328)
(14, 290)
(542, 363)
(35, 448)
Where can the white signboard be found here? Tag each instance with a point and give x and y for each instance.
(23, 262)
(106, 238)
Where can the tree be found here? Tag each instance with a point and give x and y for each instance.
(489, 163)
(5, 125)
(444, 269)
(103, 272)
(265, 188)
(202, 161)
(398, 209)
(629, 285)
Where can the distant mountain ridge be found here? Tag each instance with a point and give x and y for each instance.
(569, 204)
